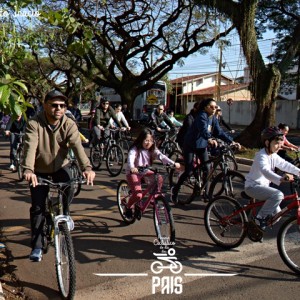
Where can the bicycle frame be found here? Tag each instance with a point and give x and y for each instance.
(254, 205)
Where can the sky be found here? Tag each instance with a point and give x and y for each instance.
(232, 57)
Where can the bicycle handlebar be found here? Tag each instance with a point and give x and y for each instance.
(44, 181)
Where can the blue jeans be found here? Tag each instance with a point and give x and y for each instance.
(272, 197)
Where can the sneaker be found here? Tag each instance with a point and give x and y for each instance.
(128, 213)
(12, 167)
(174, 195)
(262, 223)
(36, 255)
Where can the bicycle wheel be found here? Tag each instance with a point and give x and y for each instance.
(65, 262)
(114, 160)
(163, 220)
(168, 147)
(230, 185)
(75, 171)
(225, 227)
(288, 240)
(19, 161)
(95, 158)
(124, 146)
(176, 156)
(123, 194)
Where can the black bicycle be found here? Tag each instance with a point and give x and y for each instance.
(19, 155)
(110, 152)
(220, 179)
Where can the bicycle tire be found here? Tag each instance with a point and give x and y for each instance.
(114, 160)
(230, 186)
(163, 220)
(76, 172)
(186, 189)
(65, 263)
(19, 163)
(95, 158)
(168, 147)
(288, 240)
(226, 233)
(123, 194)
(176, 156)
(124, 144)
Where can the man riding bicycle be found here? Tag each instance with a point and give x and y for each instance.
(101, 122)
(48, 137)
(158, 122)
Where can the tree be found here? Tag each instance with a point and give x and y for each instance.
(12, 90)
(266, 78)
(120, 44)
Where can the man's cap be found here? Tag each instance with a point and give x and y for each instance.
(55, 94)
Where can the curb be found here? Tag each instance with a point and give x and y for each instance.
(244, 161)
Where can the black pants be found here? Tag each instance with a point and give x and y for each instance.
(188, 155)
(38, 204)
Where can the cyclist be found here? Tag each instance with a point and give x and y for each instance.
(221, 120)
(101, 121)
(187, 123)
(142, 154)
(13, 129)
(47, 139)
(159, 121)
(262, 173)
(196, 140)
(120, 116)
(286, 144)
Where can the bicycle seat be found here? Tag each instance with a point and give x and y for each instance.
(245, 196)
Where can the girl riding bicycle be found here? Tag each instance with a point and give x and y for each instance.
(142, 154)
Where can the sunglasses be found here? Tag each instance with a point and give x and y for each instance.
(213, 107)
(55, 105)
(161, 109)
(106, 103)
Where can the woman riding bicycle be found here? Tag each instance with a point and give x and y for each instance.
(262, 173)
(197, 139)
(142, 154)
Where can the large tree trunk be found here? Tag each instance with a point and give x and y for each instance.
(265, 91)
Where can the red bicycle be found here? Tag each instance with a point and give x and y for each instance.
(162, 215)
(227, 223)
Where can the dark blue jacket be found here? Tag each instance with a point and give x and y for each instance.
(198, 134)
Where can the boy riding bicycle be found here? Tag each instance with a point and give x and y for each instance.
(262, 173)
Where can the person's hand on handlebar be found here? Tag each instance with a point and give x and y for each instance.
(89, 175)
(177, 165)
(236, 145)
(31, 178)
(213, 142)
(134, 170)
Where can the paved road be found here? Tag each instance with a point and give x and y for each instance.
(106, 248)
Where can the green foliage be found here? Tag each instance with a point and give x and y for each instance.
(12, 99)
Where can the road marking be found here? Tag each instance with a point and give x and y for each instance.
(121, 274)
(207, 274)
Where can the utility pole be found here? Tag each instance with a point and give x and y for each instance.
(219, 73)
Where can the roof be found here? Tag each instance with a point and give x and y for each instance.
(183, 79)
(211, 90)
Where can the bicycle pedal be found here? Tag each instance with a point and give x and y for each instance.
(255, 234)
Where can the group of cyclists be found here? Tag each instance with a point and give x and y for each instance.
(50, 134)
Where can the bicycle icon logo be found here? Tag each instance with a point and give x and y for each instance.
(174, 266)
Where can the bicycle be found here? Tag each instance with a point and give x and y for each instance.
(165, 140)
(227, 222)
(111, 152)
(125, 141)
(56, 232)
(162, 215)
(19, 155)
(221, 178)
(75, 171)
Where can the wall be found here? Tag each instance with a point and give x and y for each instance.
(242, 112)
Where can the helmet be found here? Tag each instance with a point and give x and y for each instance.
(269, 133)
